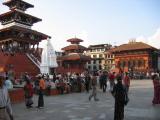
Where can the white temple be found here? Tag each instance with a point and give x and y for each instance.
(48, 58)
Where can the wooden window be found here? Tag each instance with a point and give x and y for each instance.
(94, 67)
(123, 64)
(94, 56)
(134, 63)
(129, 64)
(94, 61)
(100, 56)
(139, 63)
(100, 67)
(89, 67)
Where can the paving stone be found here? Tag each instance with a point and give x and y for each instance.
(76, 106)
(102, 116)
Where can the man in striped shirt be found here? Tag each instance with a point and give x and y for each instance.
(5, 105)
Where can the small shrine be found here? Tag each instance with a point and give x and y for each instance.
(74, 60)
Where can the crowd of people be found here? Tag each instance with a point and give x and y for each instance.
(67, 83)
(83, 82)
(64, 83)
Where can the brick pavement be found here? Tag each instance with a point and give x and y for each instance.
(77, 107)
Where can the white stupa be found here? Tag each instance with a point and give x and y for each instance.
(48, 58)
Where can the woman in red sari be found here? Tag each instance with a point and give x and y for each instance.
(28, 88)
(156, 84)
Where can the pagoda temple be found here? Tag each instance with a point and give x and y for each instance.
(73, 60)
(136, 57)
(18, 42)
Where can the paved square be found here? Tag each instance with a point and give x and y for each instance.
(76, 106)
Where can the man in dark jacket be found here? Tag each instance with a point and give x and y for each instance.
(87, 81)
(119, 94)
(103, 79)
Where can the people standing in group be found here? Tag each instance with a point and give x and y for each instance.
(103, 79)
(87, 81)
(120, 96)
(28, 90)
(111, 80)
(5, 105)
(156, 84)
(94, 84)
(126, 81)
(42, 87)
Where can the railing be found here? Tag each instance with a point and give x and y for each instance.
(33, 59)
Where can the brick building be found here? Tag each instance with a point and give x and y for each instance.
(136, 57)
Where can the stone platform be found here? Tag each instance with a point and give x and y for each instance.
(76, 106)
(16, 95)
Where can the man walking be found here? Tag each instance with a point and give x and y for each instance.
(103, 78)
(94, 91)
(87, 81)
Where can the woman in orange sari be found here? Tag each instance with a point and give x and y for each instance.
(42, 87)
(156, 84)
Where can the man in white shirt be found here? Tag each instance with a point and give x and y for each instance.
(5, 105)
(8, 83)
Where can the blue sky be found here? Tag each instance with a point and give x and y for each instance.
(97, 21)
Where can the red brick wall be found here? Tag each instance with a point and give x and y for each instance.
(54, 92)
(21, 63)
(16, 95)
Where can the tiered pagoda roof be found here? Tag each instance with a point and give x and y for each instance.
(74, 40)
(18, 16)
(75, 57)
(74, 51)
(16, 36)
(17, 24)
(74, 47)
(133, 46)
(18, 4)
(21, 34)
